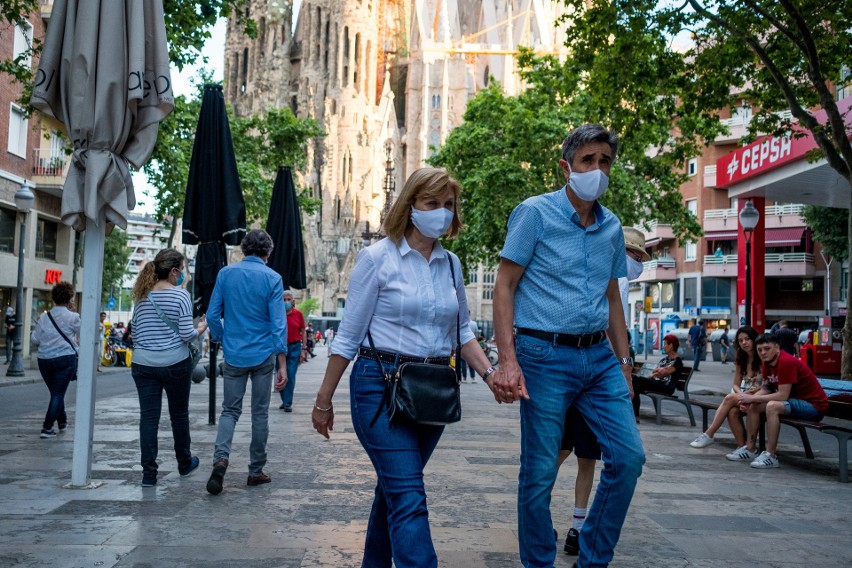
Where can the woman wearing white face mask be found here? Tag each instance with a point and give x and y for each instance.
(405, 295)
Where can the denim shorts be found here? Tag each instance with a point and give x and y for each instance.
(801, 409)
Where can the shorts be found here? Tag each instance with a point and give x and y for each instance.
(578, 437)
(801, 409)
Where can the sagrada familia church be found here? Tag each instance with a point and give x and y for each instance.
(388, 80)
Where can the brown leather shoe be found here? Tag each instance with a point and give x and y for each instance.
(258, 479)
(214, 484)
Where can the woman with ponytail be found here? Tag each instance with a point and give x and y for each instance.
(162, 327)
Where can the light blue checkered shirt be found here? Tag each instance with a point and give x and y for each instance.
(567, 267)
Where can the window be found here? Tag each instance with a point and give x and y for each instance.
(716, 292)
(7, 229)
(472, 277)
(692, 166)
(690, 292)
(23, 42)
(691, 248)
(488, 293)
(692, 206)
(18, 127)
(46, 233)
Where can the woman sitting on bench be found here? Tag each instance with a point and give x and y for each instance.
(747, 378)
(664, 378)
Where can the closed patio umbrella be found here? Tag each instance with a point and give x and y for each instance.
(284, 225)
(214, 213)
(104, 74)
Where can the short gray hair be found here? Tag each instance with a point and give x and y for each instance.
(587, 134)
(257, 242)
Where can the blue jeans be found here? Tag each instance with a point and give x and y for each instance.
(697, 353)
(590, 379)
(398, 528)
(294, 353)
(150, 384)
(235, 382)
(57, 374)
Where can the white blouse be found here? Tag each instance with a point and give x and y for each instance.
(408, 304)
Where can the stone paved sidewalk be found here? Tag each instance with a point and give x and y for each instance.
(692, 507)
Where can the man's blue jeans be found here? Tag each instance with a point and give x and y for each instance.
(294, 353)
(697, 353)
(150, 384)
(398, 528)
(236, 380)
(591, 379)
(57, 374)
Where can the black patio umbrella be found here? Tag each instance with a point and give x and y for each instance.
(214, 213)
(284, 225)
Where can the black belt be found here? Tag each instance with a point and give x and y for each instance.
(294, 342)
(568, 339)
(397, 358)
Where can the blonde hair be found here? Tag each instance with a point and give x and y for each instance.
(156, 270)
(425, 182)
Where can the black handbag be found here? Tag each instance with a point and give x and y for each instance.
(423, 393)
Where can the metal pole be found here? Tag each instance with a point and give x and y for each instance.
(93, 255)
(748, 280)
(16, 366)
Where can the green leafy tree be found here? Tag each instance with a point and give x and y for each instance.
(116, 255)
(830, 229)
(508, 148)
(308, 306)
(783, 56)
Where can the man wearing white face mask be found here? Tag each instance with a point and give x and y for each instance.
(558, 285)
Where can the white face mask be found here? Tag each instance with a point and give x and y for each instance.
(634, 268)
(432, 223)
(588, 186)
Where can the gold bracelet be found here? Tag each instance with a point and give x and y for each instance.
(330, 407)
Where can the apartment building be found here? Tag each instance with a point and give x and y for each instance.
(31, 152)
(700, 278)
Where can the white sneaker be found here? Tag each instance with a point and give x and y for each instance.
(741, 454)
(702, 441)
(765, 461)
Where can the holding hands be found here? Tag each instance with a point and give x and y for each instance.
(507, 383)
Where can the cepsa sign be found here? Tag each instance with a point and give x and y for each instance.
(759, 157)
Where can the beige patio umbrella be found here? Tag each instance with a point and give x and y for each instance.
(104, 73)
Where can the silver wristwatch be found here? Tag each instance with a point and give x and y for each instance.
(626, 361)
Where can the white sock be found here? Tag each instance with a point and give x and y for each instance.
(579, 518)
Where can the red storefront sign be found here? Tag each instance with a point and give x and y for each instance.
(761, 156)
(52, 276)
(770, 152)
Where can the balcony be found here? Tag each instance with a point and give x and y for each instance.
(710, 177)
(658, 269)
(723, 266)
(656, 233)
(790, 264)
(738, 125)
(45, 9)
(784, 216)
(49, 167)
(720, 220)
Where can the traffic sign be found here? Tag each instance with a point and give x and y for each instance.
(110, 303)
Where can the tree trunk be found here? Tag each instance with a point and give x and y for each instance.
(846, 357)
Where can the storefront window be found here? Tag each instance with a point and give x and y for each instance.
(7, 230)
(46, 239)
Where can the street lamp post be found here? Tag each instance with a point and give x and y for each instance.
(749, 217)
(389, 187)
(24, 200)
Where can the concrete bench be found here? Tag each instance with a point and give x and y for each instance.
(682, 387)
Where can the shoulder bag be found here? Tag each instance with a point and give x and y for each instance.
(423, 393)
(71, 343)
(194, 350)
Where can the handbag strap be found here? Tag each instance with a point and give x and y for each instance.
(172, 325)
(458, 323)
(65, 337)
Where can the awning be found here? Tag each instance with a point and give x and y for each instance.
(788, 237)
(720, 235)
(652, 242)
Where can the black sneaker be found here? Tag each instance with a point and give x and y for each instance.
(47, 433)
(214, 484)
(192, 466)
(149, 480)
(62, 427)
(572, 542)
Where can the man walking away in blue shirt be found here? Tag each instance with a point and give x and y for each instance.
(247, 297)
(558, 283)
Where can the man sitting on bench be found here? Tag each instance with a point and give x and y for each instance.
(664, 378)
(789, 389)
